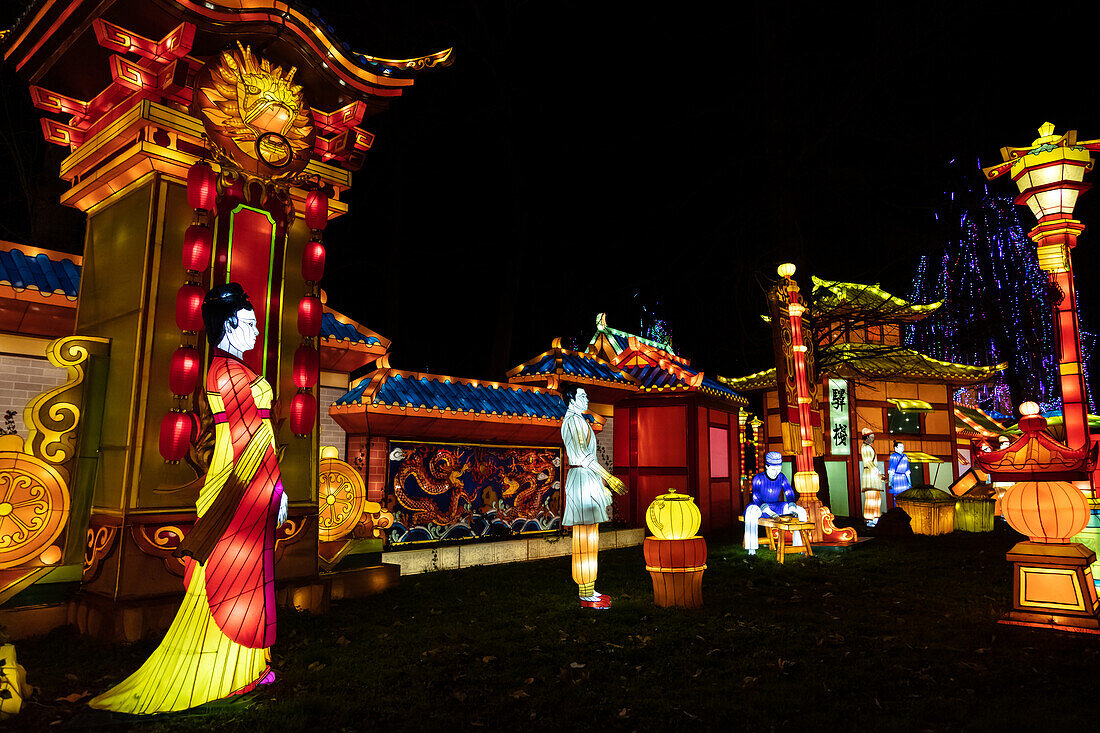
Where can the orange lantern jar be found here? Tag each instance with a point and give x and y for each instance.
(1045, 511)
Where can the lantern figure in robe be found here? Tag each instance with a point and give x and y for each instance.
(309, 316)
(198, 241)
(189, 308)
(202, 187)
(183, 373)
(675, 557)
(175, 435)
(306, 366)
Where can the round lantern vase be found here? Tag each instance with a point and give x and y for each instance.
(673, 516)
(676, 568)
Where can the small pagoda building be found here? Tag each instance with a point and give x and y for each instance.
(869, 379)
(668, 424)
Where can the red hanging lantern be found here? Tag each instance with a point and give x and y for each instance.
(313, 261)
(189, 308)
(303, 414)
(307, 365)
(316, 209)
(198, 240)
(309, 316)
(202, 189)
(183, 373)
(175, 435)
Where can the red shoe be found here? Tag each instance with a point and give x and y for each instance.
(601, 603)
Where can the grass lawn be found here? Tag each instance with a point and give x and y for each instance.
(899, 634)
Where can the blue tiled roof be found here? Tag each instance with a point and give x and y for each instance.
(655, 377)
(448, 394)
(581, 365)
(334, 329)
(39, 272)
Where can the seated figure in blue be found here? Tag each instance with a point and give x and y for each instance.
(772, 496)
(898, 474)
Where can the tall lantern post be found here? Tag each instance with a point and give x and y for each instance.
(798, 397)
(1050, 176)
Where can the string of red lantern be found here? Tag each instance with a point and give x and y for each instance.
(179, 425)
(303, 408)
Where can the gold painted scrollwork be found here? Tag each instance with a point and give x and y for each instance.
(342, 496)
(52, 417)
(34, 504)
(100, 541)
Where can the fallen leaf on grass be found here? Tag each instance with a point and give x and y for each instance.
(460, 696)
(518, 694)
(315, 667)
(529, 681)
(488, 659)
(576, 665)
(624, 713)
(71, 676)
(343, 641)
(76, 696)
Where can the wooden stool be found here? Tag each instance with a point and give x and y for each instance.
(777, 536)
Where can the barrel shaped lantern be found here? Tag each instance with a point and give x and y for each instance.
(1046, 511)
(673, 516)
(675, 557)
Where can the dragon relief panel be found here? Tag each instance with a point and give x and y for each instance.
(457, 492)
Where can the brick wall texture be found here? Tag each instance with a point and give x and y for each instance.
(22, 378)
(331, 433)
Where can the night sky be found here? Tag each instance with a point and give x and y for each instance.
(577, 159)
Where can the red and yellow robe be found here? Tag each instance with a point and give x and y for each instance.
(217, 644)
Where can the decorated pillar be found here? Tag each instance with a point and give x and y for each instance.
(223, 142)
(799, 399)
(1050, 176)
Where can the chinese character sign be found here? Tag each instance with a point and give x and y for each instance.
(841, 444)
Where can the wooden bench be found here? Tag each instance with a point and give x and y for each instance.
(777, 536)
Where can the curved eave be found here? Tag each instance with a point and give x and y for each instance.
(45, 31)
(752, 383)
(897, 307)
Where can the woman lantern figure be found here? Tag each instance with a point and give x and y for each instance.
(870, 480)
(586, 499)
(219, 643)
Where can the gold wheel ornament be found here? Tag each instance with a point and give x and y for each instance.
(341, 497)
(34, 503)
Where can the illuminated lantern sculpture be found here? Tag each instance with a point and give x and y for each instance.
(13, 680)
(1052, 579)
(673, 516)
(183, 373)
(306, 366)
(309, 316)
(303, 414)
(316, 210)
(675, 557)
(931, 511)
(202, 188)
(198, 242)
(975, 506)
(189, 308)
(313, 261)
(175, 435)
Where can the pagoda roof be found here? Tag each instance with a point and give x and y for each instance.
(658, 370)
(844, 298)
(42, 271)
(877, 361)
(347, 345)
(610, 342)
(972, 421)
(558, 364)
(399, 403)
(54, 45)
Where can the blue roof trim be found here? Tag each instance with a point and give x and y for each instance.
(20, 270)
(334, 329)
(577, 364)
(443, 393)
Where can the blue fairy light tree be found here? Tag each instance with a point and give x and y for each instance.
(997, 303)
